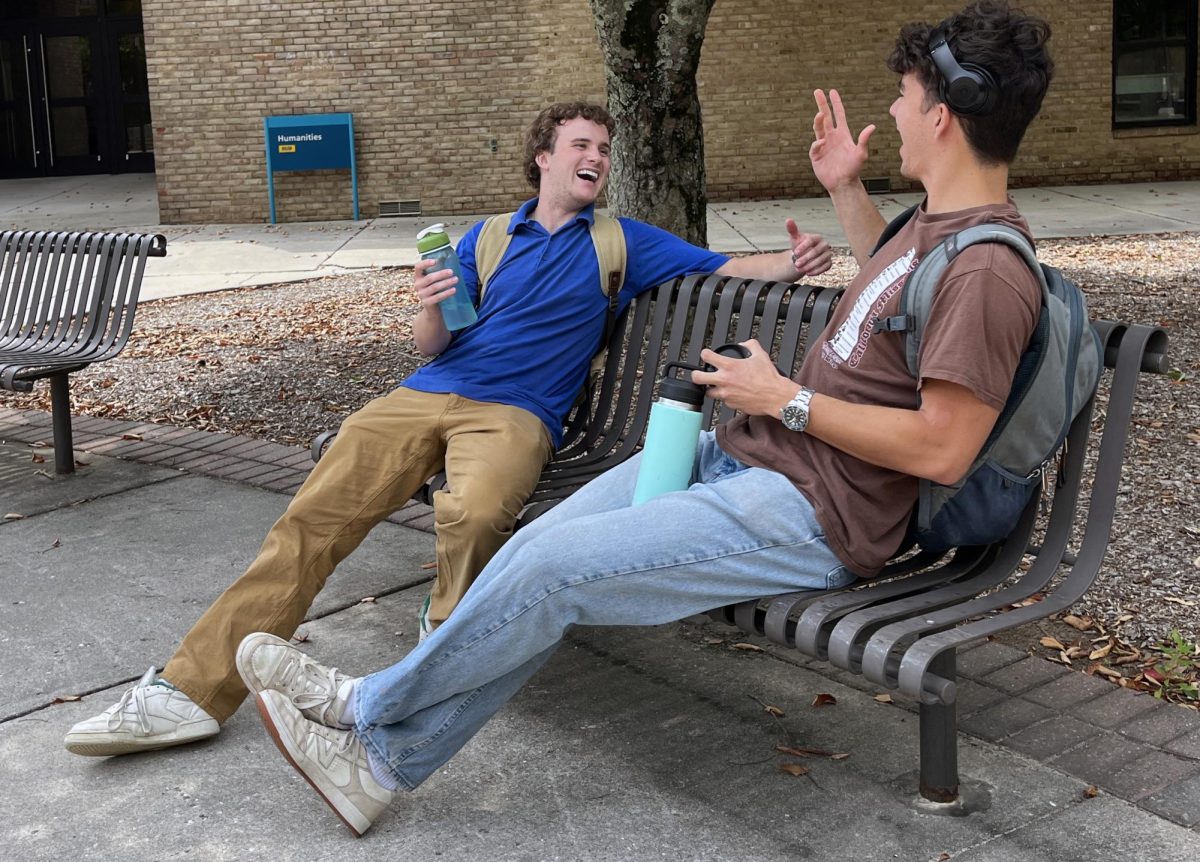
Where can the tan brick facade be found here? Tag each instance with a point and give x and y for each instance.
(431, 85)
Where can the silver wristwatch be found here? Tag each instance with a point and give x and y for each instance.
(795, 413)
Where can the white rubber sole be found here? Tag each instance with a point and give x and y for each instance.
(107, 745)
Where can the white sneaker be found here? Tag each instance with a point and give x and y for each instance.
(150, 715)
(321, 693)
(423, 628)
(332, 761)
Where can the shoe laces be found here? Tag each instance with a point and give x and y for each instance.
(136, 696)
(319, 684)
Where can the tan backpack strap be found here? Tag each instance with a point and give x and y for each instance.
(609, 239)
(490, 245)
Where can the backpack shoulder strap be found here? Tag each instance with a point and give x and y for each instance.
(490, 245)
(609, 239)
(916, 298)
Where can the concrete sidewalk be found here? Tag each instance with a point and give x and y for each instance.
(216, 257)
(632, 744)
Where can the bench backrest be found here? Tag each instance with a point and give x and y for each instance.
(70, 293)
(673, 323)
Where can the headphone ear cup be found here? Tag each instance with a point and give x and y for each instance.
(973, 92)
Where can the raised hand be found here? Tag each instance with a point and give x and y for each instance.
(837, 158)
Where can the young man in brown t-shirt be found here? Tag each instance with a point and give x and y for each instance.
(812, 486)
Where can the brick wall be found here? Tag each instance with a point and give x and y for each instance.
(431, 85)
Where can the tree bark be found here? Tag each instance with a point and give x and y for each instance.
(651, 51)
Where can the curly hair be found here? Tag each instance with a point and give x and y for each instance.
(1006, 42)
(540, 135)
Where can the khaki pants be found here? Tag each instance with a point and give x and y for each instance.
(492, 455)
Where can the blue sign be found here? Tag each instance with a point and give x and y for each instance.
(309, 142)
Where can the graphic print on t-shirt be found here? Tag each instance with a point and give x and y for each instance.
(849, 343)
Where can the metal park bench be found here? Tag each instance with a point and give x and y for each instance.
(900, 630)
(67, 300)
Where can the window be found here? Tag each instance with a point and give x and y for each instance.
(1154, 62)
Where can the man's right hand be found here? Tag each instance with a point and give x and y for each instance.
(432, 287)
(837, 159)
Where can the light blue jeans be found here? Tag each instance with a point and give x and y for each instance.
(737, 533)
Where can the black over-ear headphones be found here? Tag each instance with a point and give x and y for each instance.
(966, 89)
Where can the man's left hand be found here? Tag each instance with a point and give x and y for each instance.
(752, 385)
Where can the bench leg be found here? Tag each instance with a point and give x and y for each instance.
(939, 741)
(60, 403)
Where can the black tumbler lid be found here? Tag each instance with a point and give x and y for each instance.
(679, 389)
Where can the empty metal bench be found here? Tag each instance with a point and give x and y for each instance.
(902, 629)
(67, 299)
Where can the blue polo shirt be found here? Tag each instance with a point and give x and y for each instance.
(543, 314)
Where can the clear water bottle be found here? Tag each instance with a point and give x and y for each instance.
(433, 243)
(674, 429)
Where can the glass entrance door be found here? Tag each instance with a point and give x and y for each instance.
(73, 91)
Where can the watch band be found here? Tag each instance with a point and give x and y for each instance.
(795, 413)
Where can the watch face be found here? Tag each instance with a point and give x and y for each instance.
(794, 418)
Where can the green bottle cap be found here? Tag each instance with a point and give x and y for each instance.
(433, 237)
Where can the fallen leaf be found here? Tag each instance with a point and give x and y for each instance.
(793, 769)
(804, 751)
(884, 698)
(1092, 791)
(432, 565)
(367, 600)
(748, 647)
(942, 857)
(1103, 671)
(775, 711)
(131, 437)
(824, 700)
(300, 639)
(1052, 643)
(1183, 602)
(1101, 652)
(37, 459)
(67, 698)
(1081, 623)
(14, 516)
(714, 641)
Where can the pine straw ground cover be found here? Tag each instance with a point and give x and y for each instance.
(288, 361)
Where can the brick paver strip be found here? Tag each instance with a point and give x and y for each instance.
(973, 696)
(1098, 759)
(1162, 725)
(222, 443)
(1003, 719)
(1066, 691)
(1052, 737)
(203, 462)
(1116, 708)
(298, 460)
(247, 471)
(1028, 673)
(1179, 802)
(987, 658)
(1188, 746)
(288, 479)
(285, 474)
(1150, 774)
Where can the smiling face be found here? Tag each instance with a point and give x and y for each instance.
(575, 168)
(915, 121)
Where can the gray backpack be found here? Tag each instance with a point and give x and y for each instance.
(1056, 376)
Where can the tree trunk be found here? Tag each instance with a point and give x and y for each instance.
(651, 51)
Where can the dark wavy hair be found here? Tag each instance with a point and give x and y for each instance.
(540, 135)
(1007, 43)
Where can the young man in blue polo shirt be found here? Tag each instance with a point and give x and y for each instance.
(488, 410)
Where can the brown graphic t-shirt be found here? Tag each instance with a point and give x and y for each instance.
(983, 313)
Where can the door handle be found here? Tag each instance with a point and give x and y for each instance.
(46, 95)
(29, 93)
